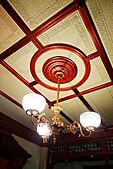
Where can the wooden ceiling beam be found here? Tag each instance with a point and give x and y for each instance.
(10, 99)
(18, 76)
(93, 89)
(84, 101)
(31, 35)
(6, 5)
(86, 17)
(13, 127)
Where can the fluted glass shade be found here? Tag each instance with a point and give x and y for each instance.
(44, 129)
(90, 119)
(33, 102)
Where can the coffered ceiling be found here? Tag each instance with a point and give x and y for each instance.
(32, 32)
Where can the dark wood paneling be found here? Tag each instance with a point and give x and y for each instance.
(99, 167)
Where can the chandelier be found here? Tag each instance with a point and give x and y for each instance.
(34, 105)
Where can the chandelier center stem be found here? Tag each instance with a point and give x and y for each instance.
(59, 76)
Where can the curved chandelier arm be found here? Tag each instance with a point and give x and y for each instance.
(82, 133)
(73, 127)
(34, 120)
(76, 127)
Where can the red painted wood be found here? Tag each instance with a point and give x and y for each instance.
(42, 28)
(55, 19)
(37, 43)
(9, 147)
(84, 13)
(96, 88)
(6, 5)
(84, 101)
(33, 83)
(24, 41)
(63, 47)
(85, 92)
(59, 64)
(93, 56)
(14, 48)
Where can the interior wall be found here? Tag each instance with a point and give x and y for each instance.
(43, 158)
(39, 155)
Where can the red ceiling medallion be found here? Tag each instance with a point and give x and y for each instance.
(59, 64)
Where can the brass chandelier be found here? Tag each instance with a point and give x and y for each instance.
(34, 105)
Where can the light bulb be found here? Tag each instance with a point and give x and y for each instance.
(44, 129)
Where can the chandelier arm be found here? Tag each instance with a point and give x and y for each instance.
(35, 122)
(82, 133)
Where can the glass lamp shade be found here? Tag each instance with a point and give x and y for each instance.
(90, 120)
(44, 129)
(33, 102)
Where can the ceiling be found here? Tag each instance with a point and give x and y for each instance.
(32, 32)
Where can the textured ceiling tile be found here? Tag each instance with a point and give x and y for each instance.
(36, 12)
(70, 31)
(11, 33)
(20, 60)
(98, 75)
(102, 14)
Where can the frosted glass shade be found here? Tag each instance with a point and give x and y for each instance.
(44, 129)
(34, 102)
(90, 119)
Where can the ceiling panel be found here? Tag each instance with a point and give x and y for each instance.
(102, 102)
(102, 15)
(20, 60)
(35, 13)
(11, 33)
(98, 75)
(73, 108)
(12, 86)
(63, 33)
(50, 94)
